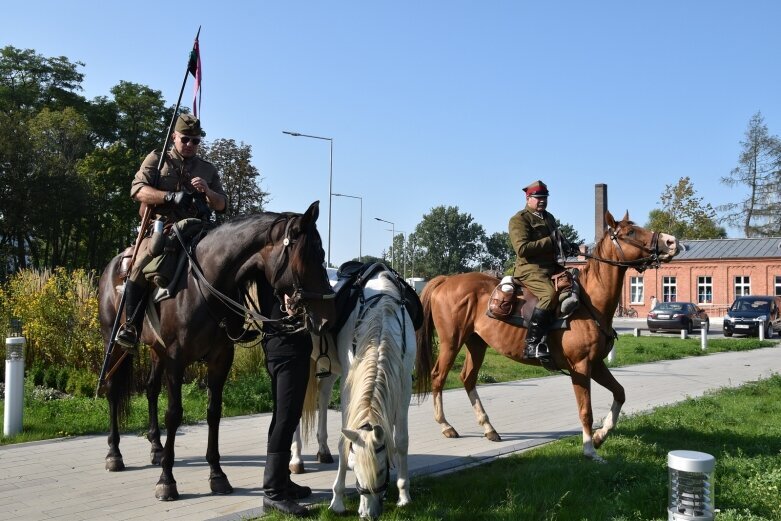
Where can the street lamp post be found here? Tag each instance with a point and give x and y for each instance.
(330, 179)
(393, 231)
(360, 224)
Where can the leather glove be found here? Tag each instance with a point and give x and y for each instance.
(180, 199)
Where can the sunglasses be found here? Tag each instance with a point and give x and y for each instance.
(186, 139)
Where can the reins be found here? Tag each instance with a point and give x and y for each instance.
(641, 264)
(236, 307)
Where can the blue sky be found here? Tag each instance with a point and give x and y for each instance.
(446, 102)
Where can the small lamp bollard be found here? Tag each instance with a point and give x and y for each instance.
(690, 485)
(704, 337)
(14, 380)
(761, 330)
(611, 355)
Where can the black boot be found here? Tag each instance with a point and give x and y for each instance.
(538, 326)
(277, 486)
(135, 308)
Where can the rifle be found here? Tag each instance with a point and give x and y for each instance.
(147, 214)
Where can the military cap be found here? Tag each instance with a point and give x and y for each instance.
(188, 125)
(537, 189)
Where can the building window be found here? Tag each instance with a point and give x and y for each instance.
(669, 289)
(636, 290)
(778, 285)
(704, 290)
(742, 285)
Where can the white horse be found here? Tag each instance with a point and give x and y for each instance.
(376, 354)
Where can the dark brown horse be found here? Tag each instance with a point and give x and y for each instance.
(279, 252)
(456, 306)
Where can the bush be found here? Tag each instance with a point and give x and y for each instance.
(59, 313)
(81, 383)
(36, 373)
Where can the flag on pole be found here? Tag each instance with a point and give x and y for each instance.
(194, 67)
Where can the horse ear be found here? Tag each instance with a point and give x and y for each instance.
(626, 216)
(311, 214)
(379, 433)
(609, 220)
(351, 435)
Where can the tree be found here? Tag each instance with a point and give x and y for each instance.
(570, 233)
(29, 83)
(684, 215)
(240, 179)
(499, 254)
(450, 242)
(759, 169)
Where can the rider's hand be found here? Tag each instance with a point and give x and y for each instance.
(181, 199)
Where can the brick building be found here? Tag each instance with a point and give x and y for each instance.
(710, 273)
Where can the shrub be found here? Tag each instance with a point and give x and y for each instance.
(81, 383)
(59, 312)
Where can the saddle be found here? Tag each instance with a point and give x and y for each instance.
(514, 303)
(351, 279)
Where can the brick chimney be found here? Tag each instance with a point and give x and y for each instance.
(600, 207)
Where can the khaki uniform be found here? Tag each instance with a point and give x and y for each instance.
(532, 240)
(175, 176)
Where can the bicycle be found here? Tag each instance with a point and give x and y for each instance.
(629, 312)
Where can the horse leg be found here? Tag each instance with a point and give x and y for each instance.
(118, 396)
(217, 373)
(602, 375)
(153, 386)
(475, 354)
(401, 440)
(325, 385)
(165, 489)
(581, 384)
(296, 465)
(447, 355)
(114, 461)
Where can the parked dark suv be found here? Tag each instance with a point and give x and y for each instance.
(747, 314)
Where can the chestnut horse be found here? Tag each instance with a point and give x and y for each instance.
(280, 253)
(456, 306)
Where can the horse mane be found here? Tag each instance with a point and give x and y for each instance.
(373, 380)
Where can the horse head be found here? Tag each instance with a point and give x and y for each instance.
(634, 246)
(368, 459)
(295, 267)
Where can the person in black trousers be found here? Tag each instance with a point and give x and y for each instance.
(287, 362)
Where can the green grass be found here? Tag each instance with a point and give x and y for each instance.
(741, 428)
(630, 350)
(248, 391)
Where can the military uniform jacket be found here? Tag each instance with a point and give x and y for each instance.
(174, 177)
(532, 240)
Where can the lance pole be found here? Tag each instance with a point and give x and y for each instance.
(146, 216)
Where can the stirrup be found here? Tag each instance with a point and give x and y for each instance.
(533, 352)
(127, 338)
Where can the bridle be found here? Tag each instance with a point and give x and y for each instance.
(651, 260)
(299, 293)
(382, 488)
(283, 259)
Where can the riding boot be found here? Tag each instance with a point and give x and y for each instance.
(276, 486)
(135, 308)
(538, 326)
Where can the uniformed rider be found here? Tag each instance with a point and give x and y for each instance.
(538, 244)
(187, 186)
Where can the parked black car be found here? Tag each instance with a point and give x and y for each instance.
(677, 316)
(747, 314)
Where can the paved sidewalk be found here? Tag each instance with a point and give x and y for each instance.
(65, 479)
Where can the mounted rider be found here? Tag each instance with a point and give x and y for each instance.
(185, 187)
(541, 250)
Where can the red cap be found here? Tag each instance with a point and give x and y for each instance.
(537, 188)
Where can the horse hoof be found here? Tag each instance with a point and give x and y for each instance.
(598, 439)
(324, 457)
(220, 485)
(155, 457)
(296, 468)
(450, 432)
(115, 464)
(493, 436)
(166, 492)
